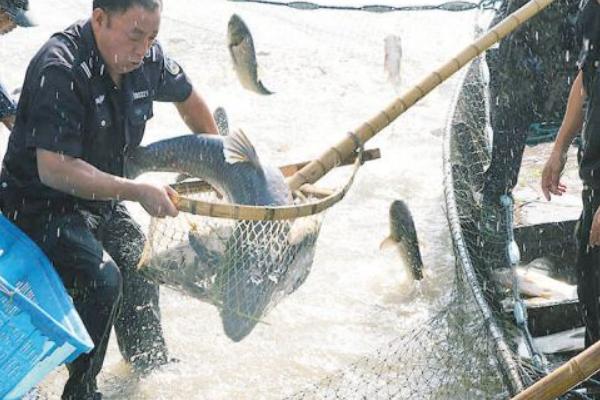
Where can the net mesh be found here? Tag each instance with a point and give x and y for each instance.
(472, 348)
(446, 357)
(243, 267)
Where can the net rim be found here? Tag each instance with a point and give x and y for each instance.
(261, 213)
(508, 367)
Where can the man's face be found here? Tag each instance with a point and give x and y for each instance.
(124, 38)
(6, 24)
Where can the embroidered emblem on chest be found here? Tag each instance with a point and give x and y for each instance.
(141, 95)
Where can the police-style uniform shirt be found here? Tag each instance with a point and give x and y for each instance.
(70, 105)
(588, 32)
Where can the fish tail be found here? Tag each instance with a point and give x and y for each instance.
(262, 89)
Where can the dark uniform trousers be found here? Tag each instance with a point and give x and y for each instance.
(96, 255)
(70, 106)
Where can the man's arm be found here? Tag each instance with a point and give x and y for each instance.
(175, 87)
(81, 179)
(196, 115)
(571, 125)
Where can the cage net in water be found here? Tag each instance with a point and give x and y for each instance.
(454, 354)
(473, 348)
(520, 85)
(450, 356)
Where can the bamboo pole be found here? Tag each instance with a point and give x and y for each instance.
(570, 374)
(368, 155)
(335, 155)
(261, 213)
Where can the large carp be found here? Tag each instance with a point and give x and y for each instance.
(254, 255)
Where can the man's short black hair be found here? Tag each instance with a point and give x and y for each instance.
(118, 6)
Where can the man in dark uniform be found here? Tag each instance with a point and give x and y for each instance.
(13, 13)
(87, 96)
(583, 114)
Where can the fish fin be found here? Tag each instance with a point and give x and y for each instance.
(387, 244)
(263, 90)
(238, 148)
(240, 48)
(232, 54)
(246, 45)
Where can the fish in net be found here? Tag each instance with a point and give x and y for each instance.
(243, 265)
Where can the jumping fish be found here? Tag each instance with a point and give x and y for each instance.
(403, 236)
(241, 48)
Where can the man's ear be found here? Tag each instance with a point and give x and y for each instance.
(100, 18)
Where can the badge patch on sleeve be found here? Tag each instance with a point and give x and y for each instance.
(172, 66)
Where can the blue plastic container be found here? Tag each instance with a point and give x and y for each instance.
(39, 327)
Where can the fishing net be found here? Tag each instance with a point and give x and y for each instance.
(445, 357)
(452, 355)
(521, 84)
(242, 259)
(473, 348)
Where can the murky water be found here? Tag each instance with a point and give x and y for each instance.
(327, 71)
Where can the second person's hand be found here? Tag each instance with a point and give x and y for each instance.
(551, 173)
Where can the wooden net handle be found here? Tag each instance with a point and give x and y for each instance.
(263, 213)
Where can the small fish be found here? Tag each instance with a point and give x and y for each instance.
(393, 58)
(561, 342)
(241, 48)
(181, 268)
(403, 237)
